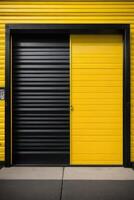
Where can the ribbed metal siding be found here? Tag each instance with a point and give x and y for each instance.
(110, 11)
(41, 99)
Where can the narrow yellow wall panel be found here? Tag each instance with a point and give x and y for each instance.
(2, 104)
(2, 120)
(2, 157)
(71, 12)
(2, 114)
(2, 131)
(2, 84)
(2, 125)
(87, 137)
(2, 77)
(2, 154)
(2, 137)
(2, 143)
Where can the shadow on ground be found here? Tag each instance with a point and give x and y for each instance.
(66, 190)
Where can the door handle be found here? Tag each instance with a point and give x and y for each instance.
(71, 108)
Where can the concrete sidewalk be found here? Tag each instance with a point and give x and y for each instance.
(69, 183)
(67, 173)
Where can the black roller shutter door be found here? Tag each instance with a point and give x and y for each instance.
(40, 99)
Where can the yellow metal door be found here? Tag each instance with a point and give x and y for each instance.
(96, 133)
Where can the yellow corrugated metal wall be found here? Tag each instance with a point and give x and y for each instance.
(64, 12)
(97, 99)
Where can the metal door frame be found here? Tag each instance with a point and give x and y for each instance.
(123, 29)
